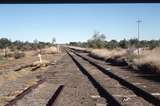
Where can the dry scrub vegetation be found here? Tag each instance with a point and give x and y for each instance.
(148, 60)
(105, 53)
(6, 70)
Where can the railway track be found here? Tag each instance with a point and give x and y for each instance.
(102, 91)
(138, 91)
(145, 80)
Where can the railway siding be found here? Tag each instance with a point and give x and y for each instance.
(140, 92)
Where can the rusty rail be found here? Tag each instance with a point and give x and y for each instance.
(53, 99)
(21, 95)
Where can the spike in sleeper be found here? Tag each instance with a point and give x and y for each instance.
(108, 69)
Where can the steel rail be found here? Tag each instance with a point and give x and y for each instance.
(25, 92)
(53, 99)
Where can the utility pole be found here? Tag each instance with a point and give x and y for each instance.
(138, 21)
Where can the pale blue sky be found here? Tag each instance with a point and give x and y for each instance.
(77, 22)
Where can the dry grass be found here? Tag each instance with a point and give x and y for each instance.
(12, 75)
(105, 53)
(51, 50)
(30, 53)
(148, 60)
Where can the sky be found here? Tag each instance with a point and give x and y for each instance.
(78, 22)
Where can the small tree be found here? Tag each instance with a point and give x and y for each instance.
(123, 43)
(53, 40)
(35, 44)
(97, 40)
(153, 44)
(73, 43)
(134, 42)
(4, 43)
(112, 44)
(18, 45)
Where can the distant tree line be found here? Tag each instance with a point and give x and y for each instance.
(23, 46)
(98, 40)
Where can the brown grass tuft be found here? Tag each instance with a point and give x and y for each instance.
(147, 61)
